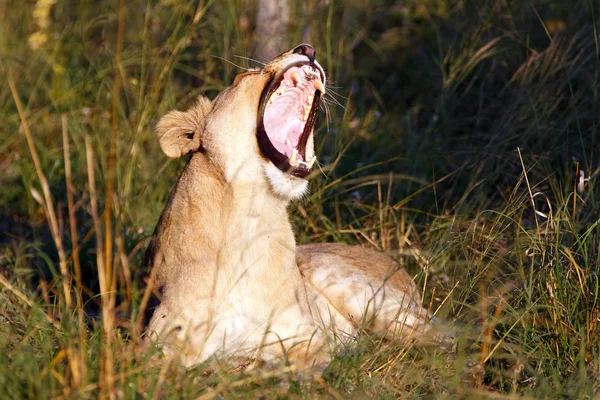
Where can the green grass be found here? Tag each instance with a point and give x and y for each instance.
(453, 143)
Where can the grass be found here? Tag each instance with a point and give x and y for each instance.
(455, 143)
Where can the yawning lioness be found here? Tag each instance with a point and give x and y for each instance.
(233, 282)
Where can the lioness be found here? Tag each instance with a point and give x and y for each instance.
(233, 281)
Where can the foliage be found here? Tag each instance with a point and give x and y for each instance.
(455, 137)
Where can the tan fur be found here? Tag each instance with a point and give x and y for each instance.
(365, 286)
(233, 283)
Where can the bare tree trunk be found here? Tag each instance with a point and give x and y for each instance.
(272, 21)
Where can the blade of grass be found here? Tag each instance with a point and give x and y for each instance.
(107, 318)
(4, 282)
(77, 363)
(49, 206)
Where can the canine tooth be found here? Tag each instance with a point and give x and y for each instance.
(293, 157)
(295, 76)
(311, 162)
(319, 86)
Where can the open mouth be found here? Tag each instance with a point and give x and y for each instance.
(287, 115)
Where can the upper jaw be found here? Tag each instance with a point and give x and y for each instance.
(283, 136)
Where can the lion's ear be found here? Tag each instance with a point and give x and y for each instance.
(179, 132)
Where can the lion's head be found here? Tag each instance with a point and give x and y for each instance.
(260, 129)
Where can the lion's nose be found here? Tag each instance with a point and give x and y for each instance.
(306, 50)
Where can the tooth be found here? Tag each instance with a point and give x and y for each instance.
(311, 162)
(295, 76)
(293, 157)
(319, 86)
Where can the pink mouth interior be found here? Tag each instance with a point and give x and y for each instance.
(287, 109)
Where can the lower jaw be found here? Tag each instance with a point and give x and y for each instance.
(283, 185)
(299, 171)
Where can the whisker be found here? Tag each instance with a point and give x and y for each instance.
(320, 166)
(328, 102)
(333, 100)
(333, 88)
(331, 96)
(325, 107)
(335, 95)
(232, 63)
(254, 60)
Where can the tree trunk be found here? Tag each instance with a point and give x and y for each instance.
(272, 21)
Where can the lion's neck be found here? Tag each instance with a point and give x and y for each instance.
(233, 232)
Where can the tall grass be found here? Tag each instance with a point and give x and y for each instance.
(455, 140)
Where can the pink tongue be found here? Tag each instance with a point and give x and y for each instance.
(281, 122)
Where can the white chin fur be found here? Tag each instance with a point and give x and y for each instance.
(287, 186)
